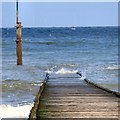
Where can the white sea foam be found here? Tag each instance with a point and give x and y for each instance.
(83, 77)
(49, 71)
(66, 71)
(37, 84)
(114, 67)
(7, 111)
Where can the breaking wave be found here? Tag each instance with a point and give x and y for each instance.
(62, 71)
(114, 67)
(66, 71)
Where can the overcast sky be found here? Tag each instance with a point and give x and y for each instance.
(60, 14)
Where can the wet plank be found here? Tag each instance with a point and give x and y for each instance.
(68, 96)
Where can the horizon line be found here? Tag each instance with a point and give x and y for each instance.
(63, 26)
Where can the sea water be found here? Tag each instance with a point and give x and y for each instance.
(93, 51)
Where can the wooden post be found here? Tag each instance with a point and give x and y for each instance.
(18, 38)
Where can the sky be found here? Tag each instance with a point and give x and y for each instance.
(61, 14)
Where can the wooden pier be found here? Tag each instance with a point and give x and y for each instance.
(70, 97)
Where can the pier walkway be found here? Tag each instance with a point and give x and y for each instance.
(69, 96)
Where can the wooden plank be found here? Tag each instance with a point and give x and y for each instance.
(34, 109)
(77, 115)
(70, 97)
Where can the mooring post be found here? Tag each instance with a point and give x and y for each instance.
(18, 38)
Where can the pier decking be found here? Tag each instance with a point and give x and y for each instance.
(68, 96)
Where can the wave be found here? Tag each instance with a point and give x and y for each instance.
(46, 43)
(8, 111)
(114, 67)
(58, 43)
(19, 84)
(19, 92)
(62, 71)
(66, 71)
(63, 68)
(70, 65)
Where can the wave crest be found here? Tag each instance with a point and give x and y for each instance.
(114, 67)
(62, 71)
(66, 71)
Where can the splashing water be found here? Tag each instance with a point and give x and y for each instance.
(65, 71)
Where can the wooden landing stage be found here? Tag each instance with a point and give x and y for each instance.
(68, 96)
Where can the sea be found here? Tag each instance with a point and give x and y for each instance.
(93, 51)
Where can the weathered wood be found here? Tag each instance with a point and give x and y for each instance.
(74, 98)
(18, 38)
(19, 43)
(105, 89)
(100, 87)
(36, 103)
(34, 109)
